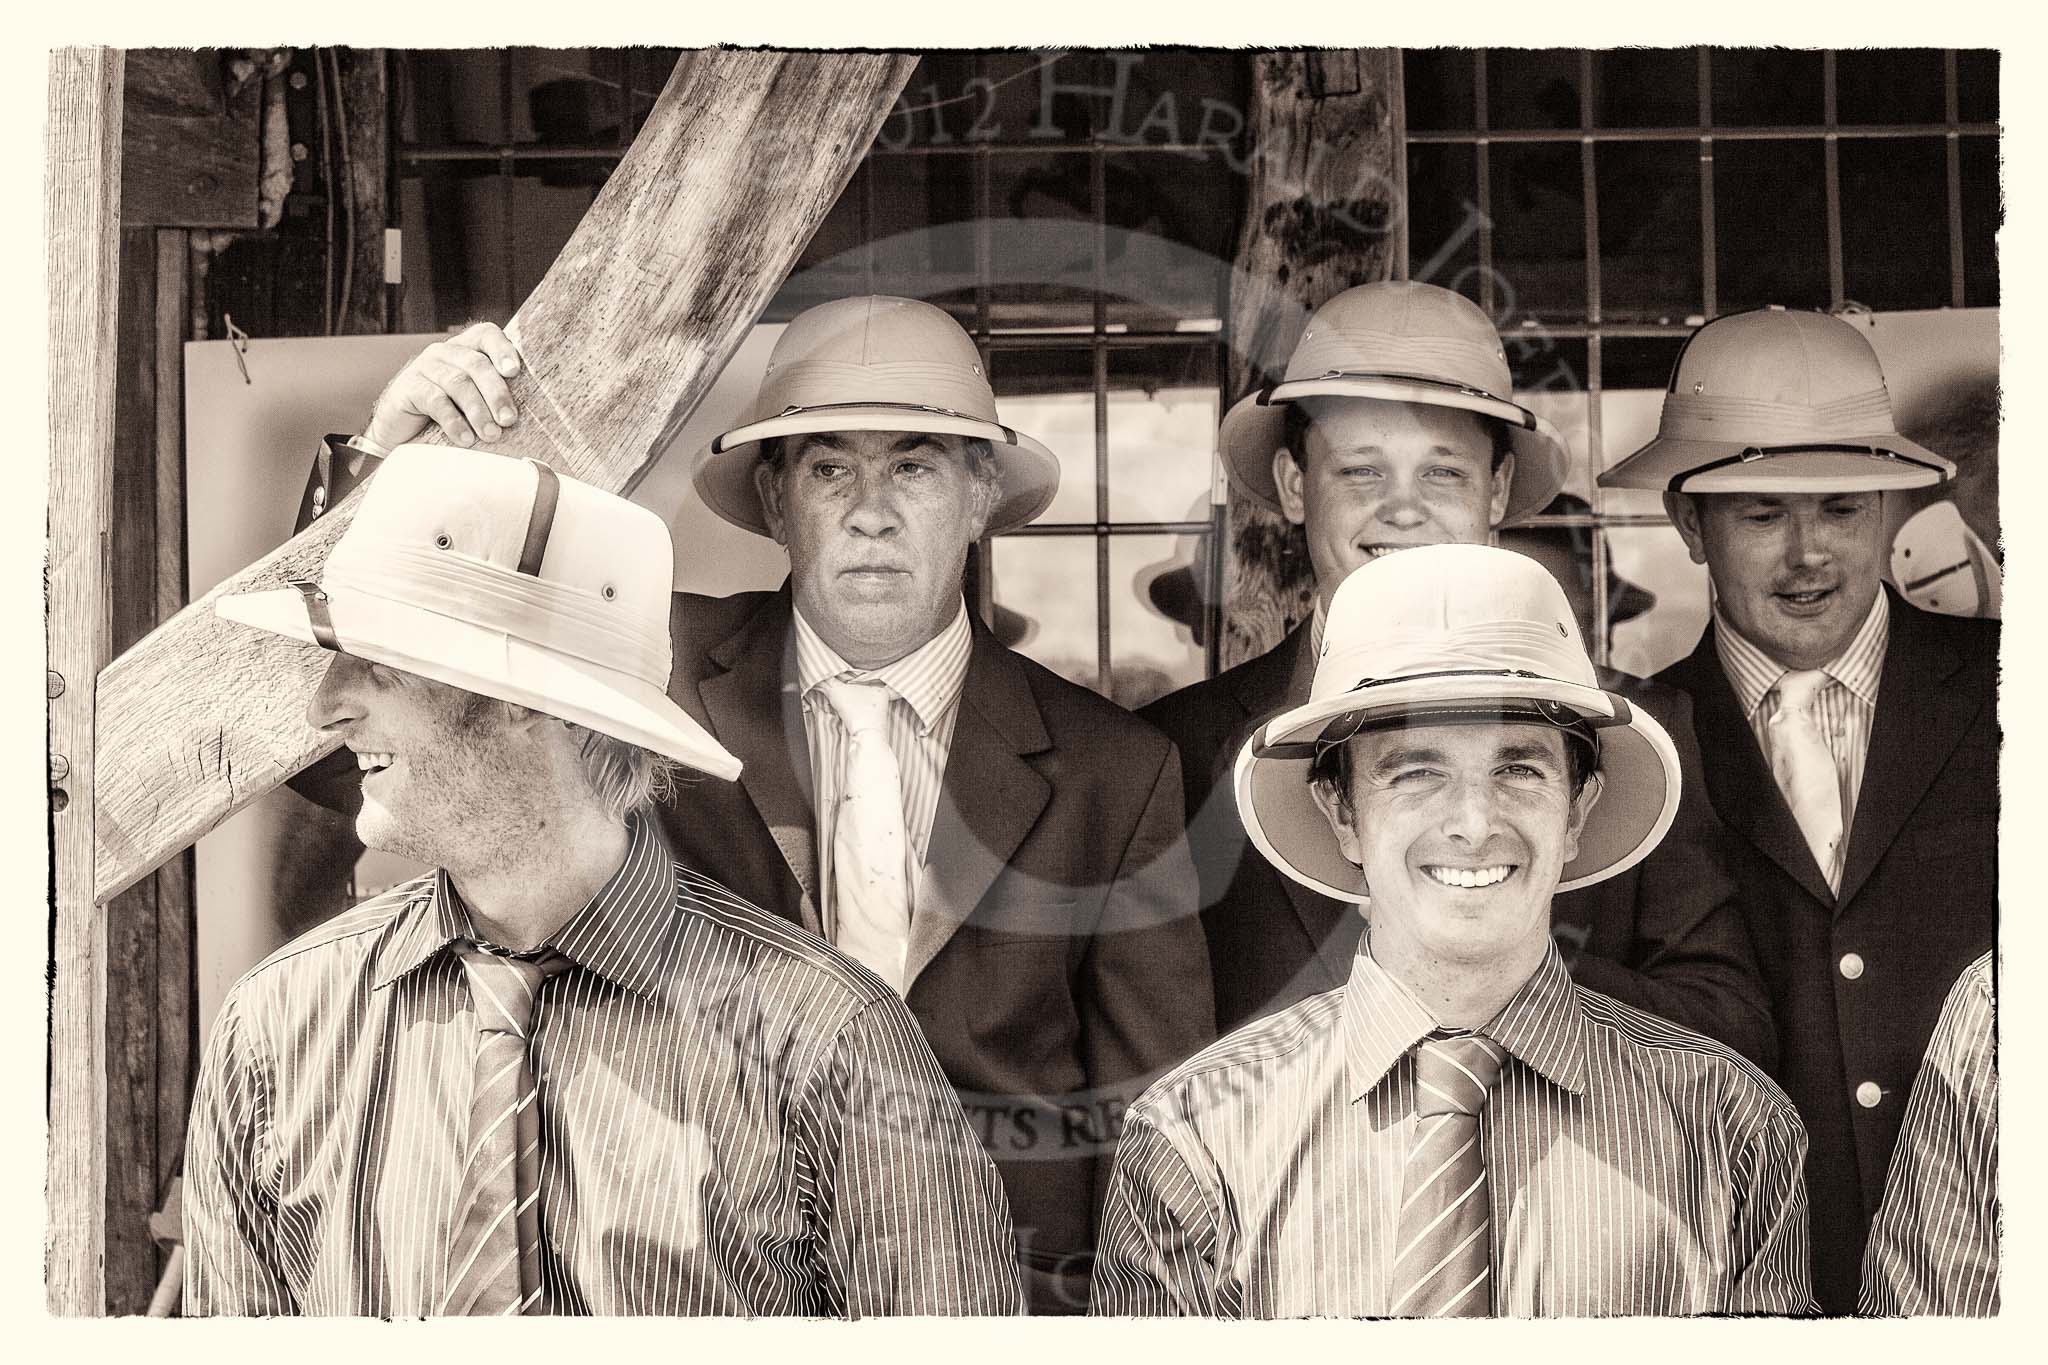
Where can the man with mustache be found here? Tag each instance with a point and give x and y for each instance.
(1395, 427)
(1851, 739)
(1003, 847)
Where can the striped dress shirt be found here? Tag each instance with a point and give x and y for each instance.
(1635, 1166)
(735, 1119)
(1845, 708)
(1934, 1246)
(922, 714)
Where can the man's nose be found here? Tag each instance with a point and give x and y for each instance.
(1402, 506)
(337, 700)
(873, 510)
(1468, 812)
(1805, 543)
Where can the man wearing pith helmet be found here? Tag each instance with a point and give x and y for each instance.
(1458, 1129)
(1003, 847)
(561, 1073)
(1395, 426)
(1006, 848)
(1851, 739)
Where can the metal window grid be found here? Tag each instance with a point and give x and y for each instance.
(1590, 135)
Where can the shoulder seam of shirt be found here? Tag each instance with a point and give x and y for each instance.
(1251, 1044)
(370, 917)
(709, 900)
(1652, 1032)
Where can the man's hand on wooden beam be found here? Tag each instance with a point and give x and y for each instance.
(457, 385)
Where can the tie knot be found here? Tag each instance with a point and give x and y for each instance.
(505, 988)
(862, 706)
(1453, 1074)
(1797, 689)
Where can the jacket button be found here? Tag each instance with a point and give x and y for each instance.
(1852, 966)
(1869, 1095)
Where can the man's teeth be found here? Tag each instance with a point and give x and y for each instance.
(1470, 876)
(370, 763)
(1381, 551)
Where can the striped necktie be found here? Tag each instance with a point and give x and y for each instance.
(870, 886)
(494, 1260)
(1445, 1261)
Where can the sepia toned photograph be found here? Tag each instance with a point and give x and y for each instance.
(1140, 682)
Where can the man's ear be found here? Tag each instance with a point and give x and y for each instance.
(1503, 488)
(768, 486)
(1288, 479)
(1336, 808)
(1581, 808)
(1684, 511)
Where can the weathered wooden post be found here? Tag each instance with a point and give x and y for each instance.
(82, 225)
(1325, 211)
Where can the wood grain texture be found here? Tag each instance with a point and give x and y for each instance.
(1323, 212)
(188, 141)
(81, 221)
(738, 163)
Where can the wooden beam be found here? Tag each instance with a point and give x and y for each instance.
(738, 163)
(188, 140)
(1324, 211)
(81, 223)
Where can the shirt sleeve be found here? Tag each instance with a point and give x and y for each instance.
(231, 1266)
(909, 1215)
(1769, 1247)
(1157, 1252)
(1934, 1245)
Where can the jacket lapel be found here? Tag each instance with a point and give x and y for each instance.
(1918, 723)
(1745, 795)
(988, 802)
(756, 712)
(1282, 679)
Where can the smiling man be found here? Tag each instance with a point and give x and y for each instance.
(560, 1073)
(1458, 1129)
(1004, 848)
(1851, 739)
(1394, 427)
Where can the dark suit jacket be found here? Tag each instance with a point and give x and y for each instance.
(1665, 936)
(1056, 963)
(1918, 902)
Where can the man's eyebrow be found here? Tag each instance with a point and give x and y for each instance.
(1522, 753)
(1402, 758)
(915, 440)
(831, 440)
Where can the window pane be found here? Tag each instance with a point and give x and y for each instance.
(834, 263)
(1042, 238)
(1664, 598)
(1647, 87)
(1437, 82)
(1895, 222)
(940, 104)
(923, 227)
(1550, 376)
(1539, 230)
(1443, 222)
(1051, 395)
(1766, 86)
(1174, 219)
(1634, 373)
(1770, 224)
(1981, 217)
(1151, 653)
(1163, 414)
(1176, 95)
(1532, 88)
(1890, 85)
(1649, 230)
(1045, 601)
(1977, 85)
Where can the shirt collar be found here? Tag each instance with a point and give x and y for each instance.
(1753, 673)
(1315, 629)
(929, 677)
(1541, 1026)
(620, 934)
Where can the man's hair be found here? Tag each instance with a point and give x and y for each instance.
(1332, 766)
(621, 776)
(1295, 422)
